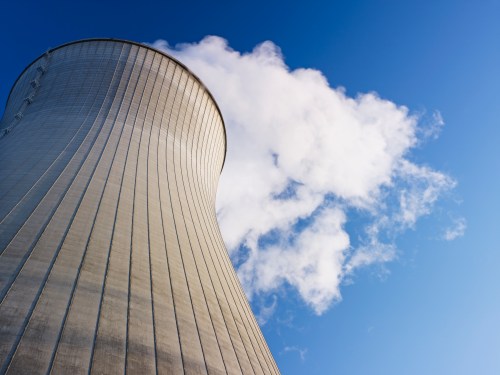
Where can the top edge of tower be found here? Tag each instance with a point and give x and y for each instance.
(142, 45)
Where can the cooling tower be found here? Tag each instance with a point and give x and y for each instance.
(111, 259)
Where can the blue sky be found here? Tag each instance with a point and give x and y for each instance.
(434, 306)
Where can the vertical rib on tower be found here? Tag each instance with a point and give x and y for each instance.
(111, 259)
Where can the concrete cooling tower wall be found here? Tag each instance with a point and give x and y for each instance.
(111, 259)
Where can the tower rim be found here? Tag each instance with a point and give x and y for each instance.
(142, 45)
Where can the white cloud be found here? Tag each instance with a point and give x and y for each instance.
(300, 351)
(311, 262)
(422, 187)
(266, 311)
(457, 230)
(301, 157)
(374, 252)
(431, 128)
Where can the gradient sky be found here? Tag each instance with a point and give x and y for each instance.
(435, 307)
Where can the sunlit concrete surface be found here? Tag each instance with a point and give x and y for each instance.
(111, 259)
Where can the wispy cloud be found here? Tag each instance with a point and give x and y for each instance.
(294, 349)
(302, 158)
(431, 127)
(456, 230)
(267, 310)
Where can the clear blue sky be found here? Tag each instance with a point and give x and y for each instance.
(437, 309)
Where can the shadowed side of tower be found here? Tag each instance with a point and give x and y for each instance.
(111, 259)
